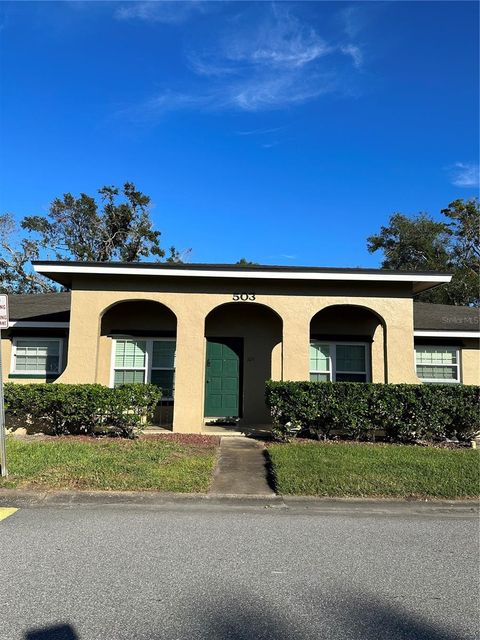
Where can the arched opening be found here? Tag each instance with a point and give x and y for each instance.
(140, 336)
(243, 351)
(347, 344)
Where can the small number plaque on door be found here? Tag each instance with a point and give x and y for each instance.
(244, 297)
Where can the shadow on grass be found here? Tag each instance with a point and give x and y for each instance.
(271, 479)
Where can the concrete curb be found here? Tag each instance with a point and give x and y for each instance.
(291, 504)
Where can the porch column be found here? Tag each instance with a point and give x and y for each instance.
(379, 356)
(189, 372)
(296, 346)
(83, 339)
(401, 355)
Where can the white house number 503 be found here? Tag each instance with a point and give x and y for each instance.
(244, 297)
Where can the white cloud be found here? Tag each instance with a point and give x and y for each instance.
(271, 63)
(355, 52)
(163, 103)
(270, 145)
(465, 174)
(281, 256)
(263, 93)
(353, 20)
(164, 11)
(209, 66)
(259, 132)
(282, 41)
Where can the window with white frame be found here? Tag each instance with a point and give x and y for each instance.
(320, 362)
(437, 364)
(145, 360)
(37, 356)
(339, 361)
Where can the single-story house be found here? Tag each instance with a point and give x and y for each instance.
(211, 334)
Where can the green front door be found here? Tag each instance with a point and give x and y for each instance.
(222, 380)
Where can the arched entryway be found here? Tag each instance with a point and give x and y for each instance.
(347, 344)
(243, 350)
(138, 340)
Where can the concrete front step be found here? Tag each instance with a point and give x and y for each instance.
(152, 431)
(223, 433)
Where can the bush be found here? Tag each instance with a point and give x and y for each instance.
(403, 412)
(81, 408)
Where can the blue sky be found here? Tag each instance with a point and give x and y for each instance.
(285, 133)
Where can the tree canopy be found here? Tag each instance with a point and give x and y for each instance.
(114, 226)
(450, 245)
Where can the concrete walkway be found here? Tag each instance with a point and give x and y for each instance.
(241, 469)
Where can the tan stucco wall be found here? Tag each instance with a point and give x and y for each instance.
(470, 359)
(296, 303)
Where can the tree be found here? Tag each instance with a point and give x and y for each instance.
(464, 226)
(115, 226)
(423, 244)
(243, 262)
(16, 275)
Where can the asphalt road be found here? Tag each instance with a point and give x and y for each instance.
(97, 572)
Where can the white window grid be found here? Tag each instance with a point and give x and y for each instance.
(147, 368)
(332, 359)
(456, 364)
(324, 372)
(34, 341)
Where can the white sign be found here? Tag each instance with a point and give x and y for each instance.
(3, 312)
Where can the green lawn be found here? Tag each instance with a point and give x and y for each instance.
(344, 469)
(111, 464)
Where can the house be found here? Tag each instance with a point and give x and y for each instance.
(211, 334)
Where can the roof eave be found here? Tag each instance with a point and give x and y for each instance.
(445, 333)
(63, 273)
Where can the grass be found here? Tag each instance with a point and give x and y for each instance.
(374, 470)
(158, 464)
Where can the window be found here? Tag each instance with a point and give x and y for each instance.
(437, 364)
(37, 356)
(320, 362)
(339, 362)
(130, 362)
(142, 360)
(163, 365)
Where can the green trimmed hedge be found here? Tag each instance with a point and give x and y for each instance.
(81, 408)
(402, 412)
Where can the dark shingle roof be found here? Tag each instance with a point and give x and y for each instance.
(48, 307)
(445, 317)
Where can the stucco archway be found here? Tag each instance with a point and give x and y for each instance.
(137, 344)
(244, 349)
(348, 343)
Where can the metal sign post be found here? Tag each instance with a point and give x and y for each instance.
(3, 448)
